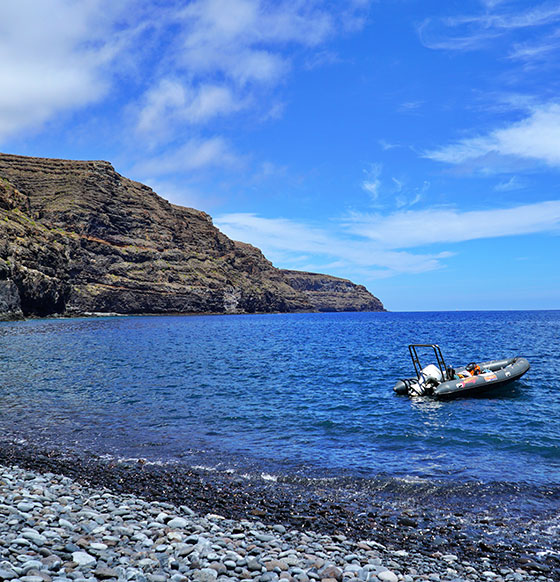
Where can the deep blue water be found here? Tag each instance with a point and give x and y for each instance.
(306, 394)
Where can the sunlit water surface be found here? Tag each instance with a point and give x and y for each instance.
(299, 394)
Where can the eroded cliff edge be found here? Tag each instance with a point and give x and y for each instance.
(76, 237)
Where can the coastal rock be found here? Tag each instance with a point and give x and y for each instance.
(387, 576)
(294, 555)
(177, 523)
(328, 293)
(76, 237)
(9, 297)
(83, 558)
(331, 572)
(102, 573)
(206, 575)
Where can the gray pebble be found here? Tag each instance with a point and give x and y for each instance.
(54, 529)
(205, 575)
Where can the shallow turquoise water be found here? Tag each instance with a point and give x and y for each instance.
(306, 394)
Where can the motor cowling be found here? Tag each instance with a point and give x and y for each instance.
(429, 377)
(431, 374)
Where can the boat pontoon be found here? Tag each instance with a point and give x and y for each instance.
(442, 381)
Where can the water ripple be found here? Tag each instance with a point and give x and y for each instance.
(286, 392)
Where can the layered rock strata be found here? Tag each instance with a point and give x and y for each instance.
(76, 237)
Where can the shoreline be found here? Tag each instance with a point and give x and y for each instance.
(488, 541)
(14, 318)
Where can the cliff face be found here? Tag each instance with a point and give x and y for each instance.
(328, 293)
(76, 237)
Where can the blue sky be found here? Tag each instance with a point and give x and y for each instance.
(410, 146)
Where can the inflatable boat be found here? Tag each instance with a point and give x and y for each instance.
(443, 382)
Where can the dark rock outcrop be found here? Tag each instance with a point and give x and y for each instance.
(328, 293)
(76, 237)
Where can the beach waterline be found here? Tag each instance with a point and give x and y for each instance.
(306, 394)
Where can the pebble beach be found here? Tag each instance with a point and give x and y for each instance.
(187, 525)
(176, 466)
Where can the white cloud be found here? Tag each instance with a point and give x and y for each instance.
(170, 102)
(199, 60)
(226, 55)
(284, 242)
(537, 51)
(411, 197)
(475, 31)
(371, 243)
(535, 138)
(535, 16)
(411, 229)
(55, 56)
(182, 194)
(193, 155)
(372, 182)
(514, 183)
(399, 184)
(410, 106)
(242, 38)
(434, 34)
(386, 146)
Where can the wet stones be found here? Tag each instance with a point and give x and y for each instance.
(72, 532)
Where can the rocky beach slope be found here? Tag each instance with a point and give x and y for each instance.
(110, 520)
(76, 237)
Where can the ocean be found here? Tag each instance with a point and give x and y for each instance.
(287, 394)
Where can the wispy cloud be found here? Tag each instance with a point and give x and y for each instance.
(410, 106)
(241, 38)
(410, 229)
(398, 184)
(474, 31)
(447, 35)
(193, 62)
(535, 138)
(373, 241)
(172, 102)
(372, 181)
(539, 50)
(393, 192)
(386, 146)
(288, 242)
(224, 56)
(195, 154)
(56, 56)
(543, 14)
(407, 197)
(514, 183)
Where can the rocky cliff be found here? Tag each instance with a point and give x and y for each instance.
(327, 293)
(76, 237)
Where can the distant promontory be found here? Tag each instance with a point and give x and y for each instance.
(76, 237)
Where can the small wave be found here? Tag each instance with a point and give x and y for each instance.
(208, 468)
(139, 460)
(185, 389)
(268, 477)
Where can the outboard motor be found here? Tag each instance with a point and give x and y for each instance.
(431, 374)
(403, 386)
(430, 377)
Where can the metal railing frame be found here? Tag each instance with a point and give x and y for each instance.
(416, 360)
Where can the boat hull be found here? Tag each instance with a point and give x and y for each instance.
(501, 372)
